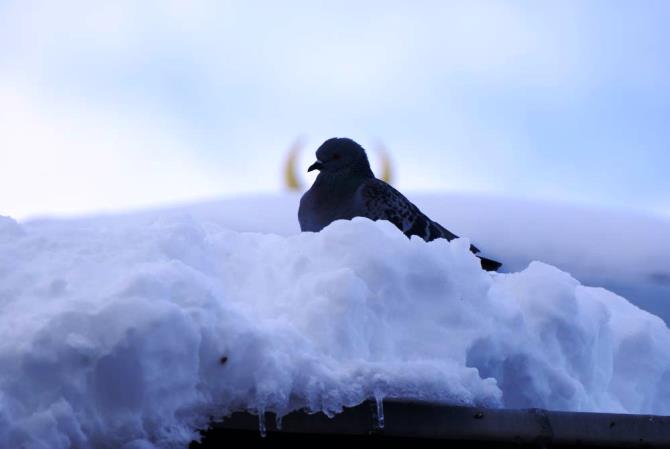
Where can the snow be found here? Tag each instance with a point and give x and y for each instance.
(133, 330)
(623, 251)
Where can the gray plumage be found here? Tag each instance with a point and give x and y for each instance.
(346, 188)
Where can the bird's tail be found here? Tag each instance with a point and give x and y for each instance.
(489, 264)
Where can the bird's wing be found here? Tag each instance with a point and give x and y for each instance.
(380, 201)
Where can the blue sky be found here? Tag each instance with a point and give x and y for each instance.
(126, 104)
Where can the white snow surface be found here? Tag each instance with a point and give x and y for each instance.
(133, 330)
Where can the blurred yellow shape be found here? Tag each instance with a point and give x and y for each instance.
(292, 181)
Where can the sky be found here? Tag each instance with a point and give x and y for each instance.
(120, 105)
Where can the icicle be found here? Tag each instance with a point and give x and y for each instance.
(261, 423)
(278, 421)
(380, 410)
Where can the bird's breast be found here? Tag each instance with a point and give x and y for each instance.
(318, 208)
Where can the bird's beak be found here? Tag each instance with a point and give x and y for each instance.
(318, 165)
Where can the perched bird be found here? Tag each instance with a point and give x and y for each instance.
(346, 188)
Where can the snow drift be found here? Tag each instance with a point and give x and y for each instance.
(623, 251)
(134, 332)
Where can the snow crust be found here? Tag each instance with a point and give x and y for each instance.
(132, 331)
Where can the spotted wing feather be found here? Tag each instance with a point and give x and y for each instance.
(380, 201)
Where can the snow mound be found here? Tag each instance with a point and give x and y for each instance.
(9, 228)
(135, 335)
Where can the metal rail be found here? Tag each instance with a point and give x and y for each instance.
(426, 422)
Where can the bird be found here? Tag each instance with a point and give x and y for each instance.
(346, 188)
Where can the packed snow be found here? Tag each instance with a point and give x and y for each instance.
(133, 330)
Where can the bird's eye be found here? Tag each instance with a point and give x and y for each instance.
(336, 156)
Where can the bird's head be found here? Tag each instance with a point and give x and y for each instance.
(341, 154)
